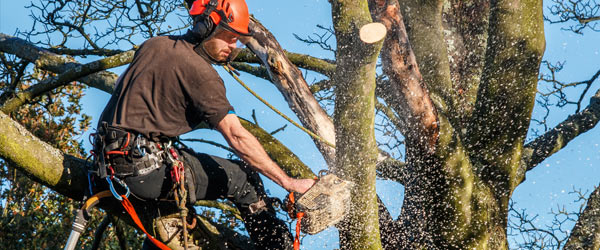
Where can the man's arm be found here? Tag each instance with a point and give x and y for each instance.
(249, 150)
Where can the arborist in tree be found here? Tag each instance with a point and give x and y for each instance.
(170, 88)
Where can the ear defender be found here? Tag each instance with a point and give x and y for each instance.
(203, 27)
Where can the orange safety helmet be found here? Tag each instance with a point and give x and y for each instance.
(230, 14)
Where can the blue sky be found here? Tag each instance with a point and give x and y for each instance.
(546, 187)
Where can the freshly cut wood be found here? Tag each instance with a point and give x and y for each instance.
(373, 32)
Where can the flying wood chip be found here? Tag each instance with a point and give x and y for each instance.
(372, 32)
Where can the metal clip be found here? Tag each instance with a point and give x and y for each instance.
(142, 151)
(114, 191)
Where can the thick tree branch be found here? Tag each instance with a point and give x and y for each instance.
(556, 139)
(85, 52)
(259, 71)
(423, 20)
(43, 163)
(407, 93)
(283, 156)
(391, 169)
(466, 32)
(322, 66)
(586, 233)
(294, 88)
(507, 90)
(103, 80)
(68, 76)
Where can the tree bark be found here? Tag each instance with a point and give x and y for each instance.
(290, 82)
(356, 154)
(457, 198)
(557, 138)
(406, 91)
(46, 60)
(586, 233)
(424, 27)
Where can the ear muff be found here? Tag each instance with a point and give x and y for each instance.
(203, 27)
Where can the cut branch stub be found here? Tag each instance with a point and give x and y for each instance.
(372, 32)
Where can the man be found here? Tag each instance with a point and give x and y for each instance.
(171, 88)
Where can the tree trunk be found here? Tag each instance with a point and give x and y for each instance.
(356, 154)
(457, 197)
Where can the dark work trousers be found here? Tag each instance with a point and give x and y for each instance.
(219, 178)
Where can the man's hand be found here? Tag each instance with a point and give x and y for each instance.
(299, 185)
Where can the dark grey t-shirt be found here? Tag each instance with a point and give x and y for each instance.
(167, 90)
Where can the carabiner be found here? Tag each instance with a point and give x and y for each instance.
(114, 192)
(142, 151)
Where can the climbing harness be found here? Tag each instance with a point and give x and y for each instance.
(235, 75)
(111, 144)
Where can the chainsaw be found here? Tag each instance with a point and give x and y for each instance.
(323, 205)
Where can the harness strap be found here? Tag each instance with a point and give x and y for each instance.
(129, 208)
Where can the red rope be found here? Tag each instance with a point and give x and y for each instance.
(127, 143)
(117, 153)
(299, 215)
(129, 208)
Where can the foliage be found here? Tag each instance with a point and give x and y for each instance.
(34, 216)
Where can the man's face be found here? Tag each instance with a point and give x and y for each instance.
(221, 44)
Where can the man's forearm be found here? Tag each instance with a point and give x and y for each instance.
(249, 150)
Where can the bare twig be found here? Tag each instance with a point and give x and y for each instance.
(321, 39)
(584, 13)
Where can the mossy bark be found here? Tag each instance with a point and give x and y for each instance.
(457, 197)
(425, 31)
(356, 152)
(103, 80)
